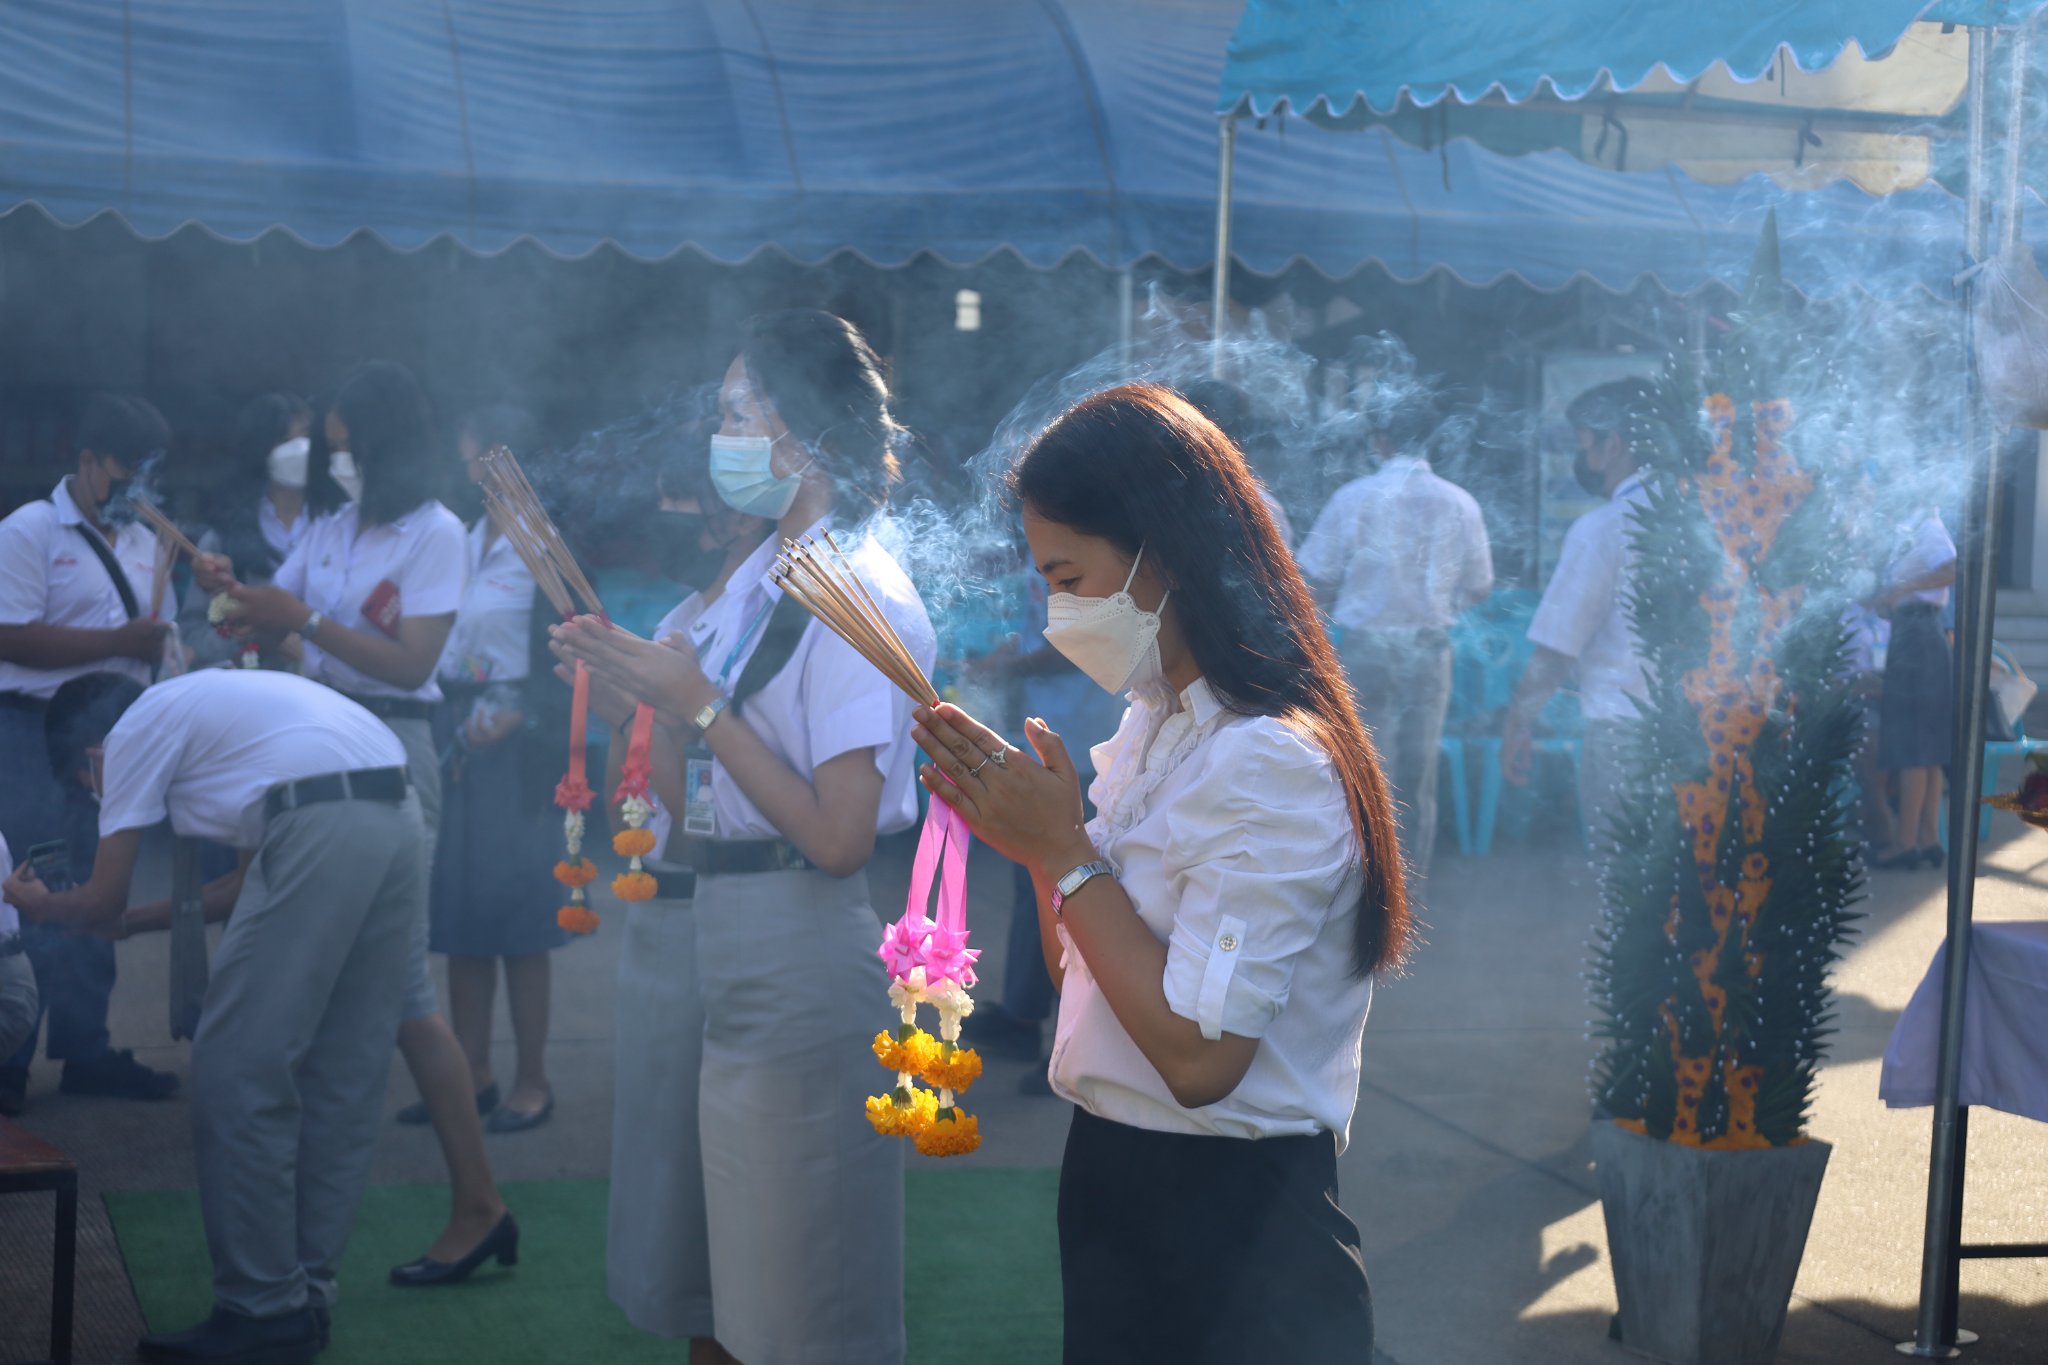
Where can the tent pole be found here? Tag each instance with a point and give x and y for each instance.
(1935, 1330)
(1219, 315)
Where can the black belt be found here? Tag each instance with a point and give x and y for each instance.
(672, 883)
(363, 784)
(22, 701)
(738, 857)
(394, 708)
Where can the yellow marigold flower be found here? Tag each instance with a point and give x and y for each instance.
(633, 843)
(577, 919)
(952, 1069)
(582, 872)
(891, 1116)
(953, 1133)
(634, 886)
(912, 1053)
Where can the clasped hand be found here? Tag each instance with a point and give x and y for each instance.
(625, 669)
(1027, 809)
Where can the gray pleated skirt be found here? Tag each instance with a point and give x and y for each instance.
(751, 1201)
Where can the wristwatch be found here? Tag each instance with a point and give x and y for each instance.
(709, 712)
(312, 626)
(1079, 877)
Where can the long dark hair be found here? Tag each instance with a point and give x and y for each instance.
(391, 434)
(826, 384)
(1141, 466)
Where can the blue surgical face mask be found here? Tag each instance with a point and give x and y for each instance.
(743, 472)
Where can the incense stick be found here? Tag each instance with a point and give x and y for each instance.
(164, 527)
(166, 555)
(532, 531)
(825, 584)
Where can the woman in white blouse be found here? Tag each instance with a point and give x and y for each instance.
(371, 589)
(1215, 929)
(756, 1210)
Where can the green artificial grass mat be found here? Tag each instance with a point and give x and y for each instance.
(982, 1267)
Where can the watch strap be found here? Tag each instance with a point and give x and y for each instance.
(709, 712)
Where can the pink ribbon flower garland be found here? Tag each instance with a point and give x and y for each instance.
(929, 963)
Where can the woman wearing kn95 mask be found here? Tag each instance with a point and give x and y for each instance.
(1216, 928)
(755, 1209)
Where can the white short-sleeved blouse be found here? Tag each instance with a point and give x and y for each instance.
(1232, 837)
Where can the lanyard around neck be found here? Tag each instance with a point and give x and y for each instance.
(732, 657)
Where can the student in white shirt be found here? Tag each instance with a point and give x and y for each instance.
(1396, 557)
(266, 516)
(75, 581)
(1216, 927)
(305, 988)
(789, 1246)
(491, 898)
(371, 591)
(1582, 624)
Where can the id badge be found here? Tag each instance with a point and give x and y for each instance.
(700, 815)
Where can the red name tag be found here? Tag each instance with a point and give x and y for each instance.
(381, 608)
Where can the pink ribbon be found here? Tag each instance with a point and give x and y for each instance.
(917, 940)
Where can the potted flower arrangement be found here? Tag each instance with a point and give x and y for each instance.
(1728, 884)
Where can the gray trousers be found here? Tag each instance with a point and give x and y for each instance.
(424, 764)
(295, 1044)
(1403, 682)
(19, 1005)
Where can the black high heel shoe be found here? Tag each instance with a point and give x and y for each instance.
(502, 1242)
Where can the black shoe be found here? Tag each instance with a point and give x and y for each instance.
(13, 1090)
(1935, 855)
(323, 1322)
(117, 1074)
(416, 1112)
(507, 1120)
(995, 1032)
(231, 1338)
(502, 1242)
(1898, 862)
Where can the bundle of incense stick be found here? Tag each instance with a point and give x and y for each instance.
(517, 509)
(819, 577)
(160, 580)
(164, 527)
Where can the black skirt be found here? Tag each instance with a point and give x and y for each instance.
(1916, 716)
(1207, 1249)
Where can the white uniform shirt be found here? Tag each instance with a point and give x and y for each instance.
(205, 748)
(281, 539)
(50, 576)
(1923, 546)
(1232, 836)
(826, 701)
(491, 636)
(334, 570)
(1584, 612)
(1404, 549)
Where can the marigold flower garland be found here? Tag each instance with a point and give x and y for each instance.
(929, 963)
(573, 795)
(635, 841)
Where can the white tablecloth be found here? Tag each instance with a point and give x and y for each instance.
(2005, 1027)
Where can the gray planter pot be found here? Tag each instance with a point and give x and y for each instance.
(1705, 1245)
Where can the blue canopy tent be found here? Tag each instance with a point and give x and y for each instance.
(955, 127)
(1554, 76)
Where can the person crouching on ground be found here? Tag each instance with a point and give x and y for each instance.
(1216, 927)
(307, 985)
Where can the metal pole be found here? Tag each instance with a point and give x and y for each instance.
(1934, 1330)
(1219, 315)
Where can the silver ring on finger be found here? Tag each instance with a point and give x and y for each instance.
(975, 771)
(1001, 758)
